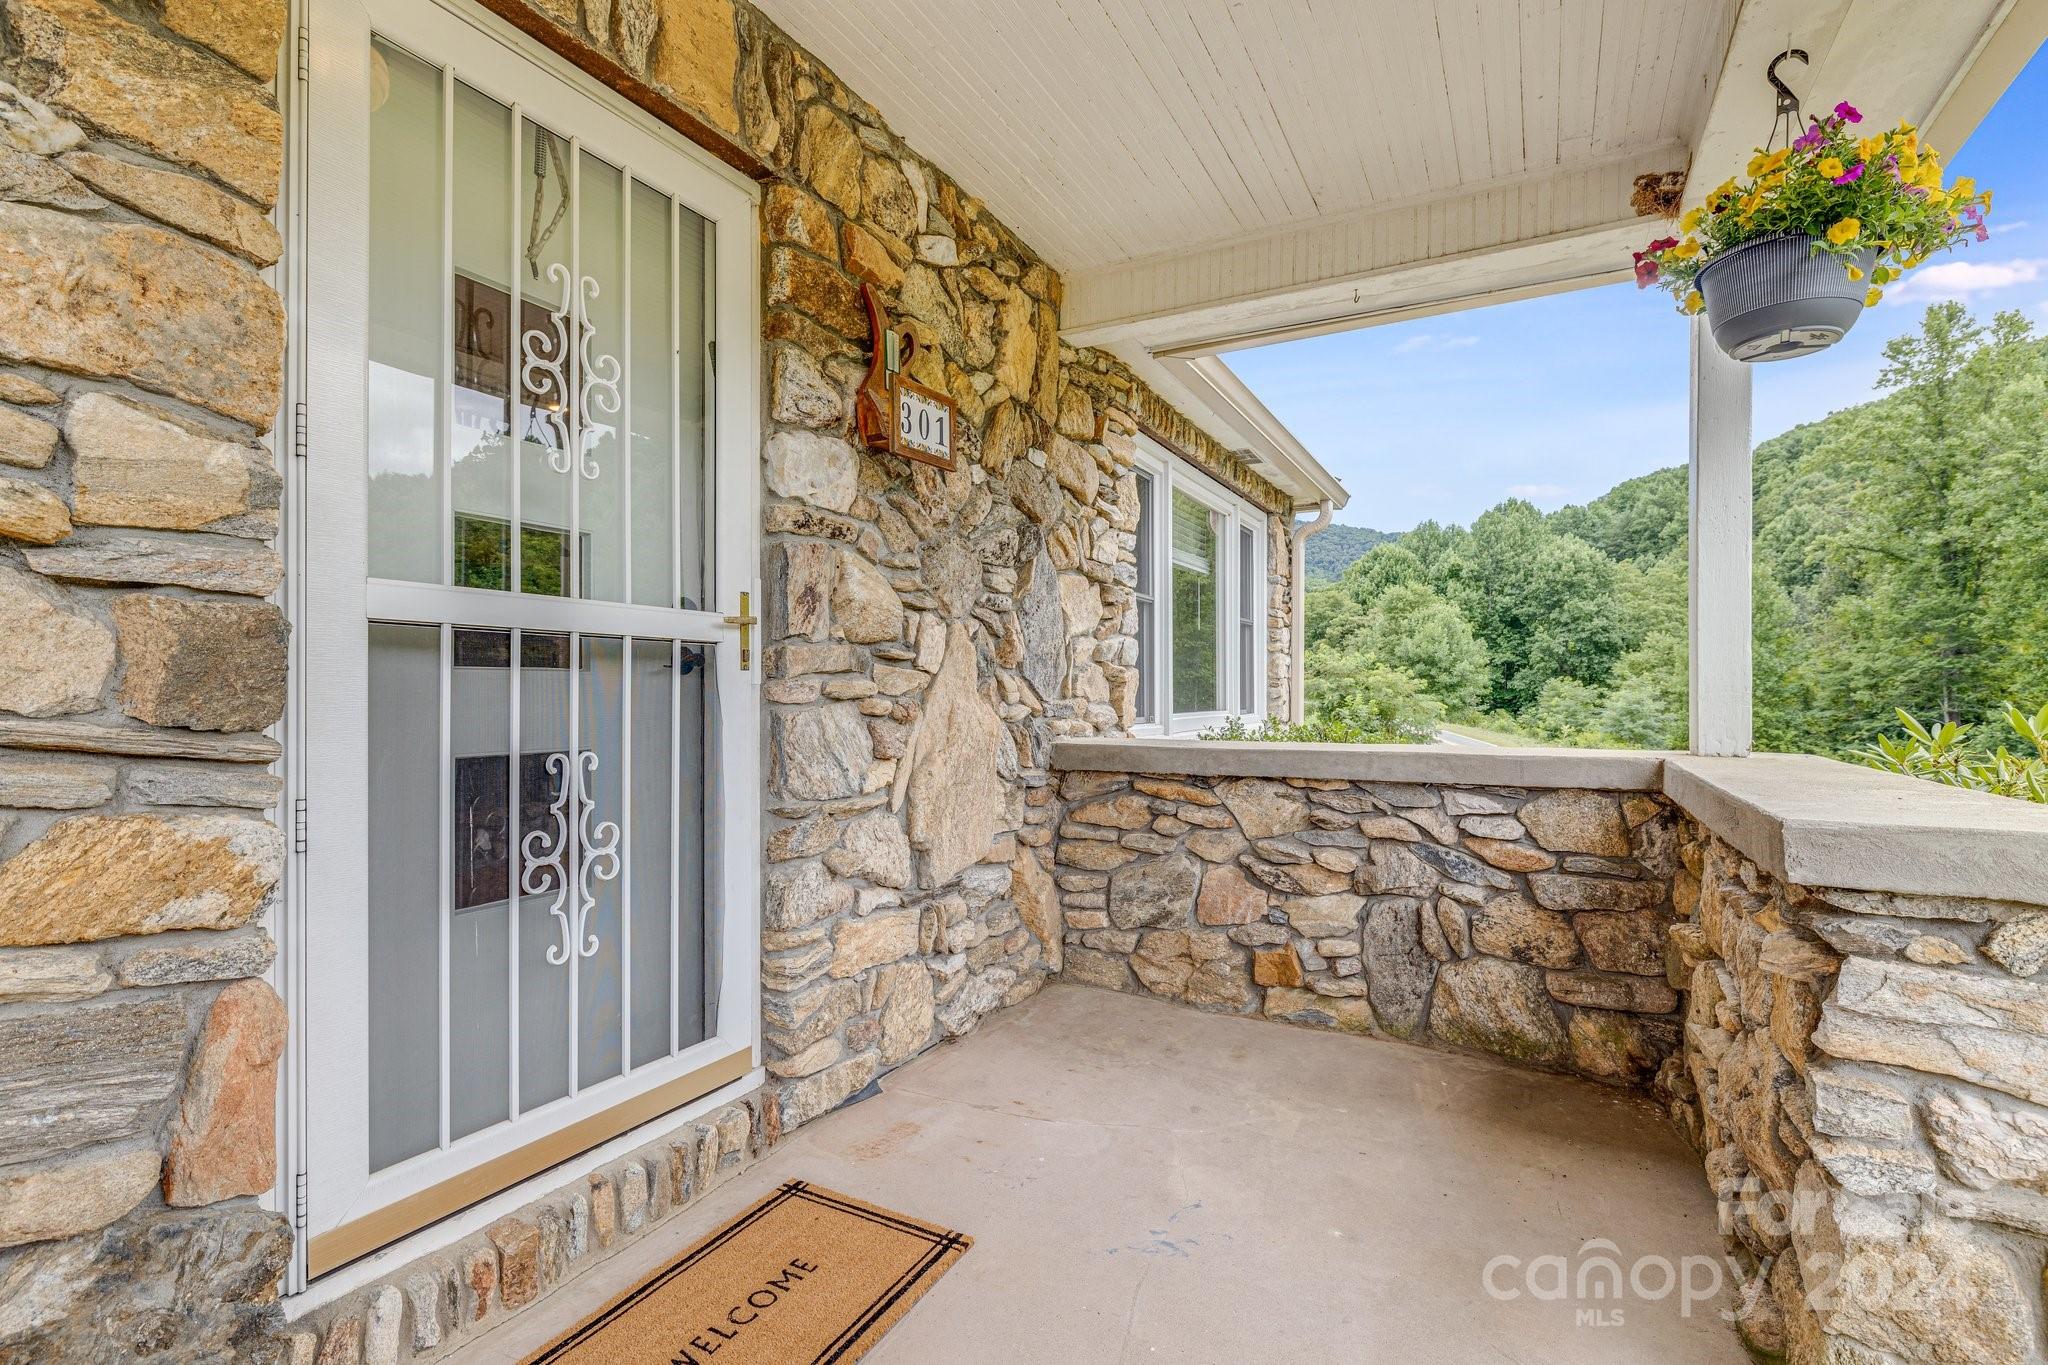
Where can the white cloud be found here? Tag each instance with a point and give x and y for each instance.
(1537, 492)
(1962, 279)
(1434, 341)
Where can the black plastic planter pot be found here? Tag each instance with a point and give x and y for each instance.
(1776, 298)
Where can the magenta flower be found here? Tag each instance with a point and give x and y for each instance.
(1811, 138)
(1662, 244)
(1848, 112)
(1983, 233)
(1850, 176)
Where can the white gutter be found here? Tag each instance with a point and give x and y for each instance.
(1281, 457)
(1297, 616)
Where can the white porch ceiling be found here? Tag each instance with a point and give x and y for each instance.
(1104, 132)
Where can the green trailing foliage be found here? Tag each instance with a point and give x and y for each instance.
(1901, 565)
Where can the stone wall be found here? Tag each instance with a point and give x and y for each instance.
(436, 1304)
(1865, 1075)
(1528, 924)
(928, 635)
(140, 367)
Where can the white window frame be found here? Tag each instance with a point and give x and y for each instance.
(333, 600)
(1171, 473)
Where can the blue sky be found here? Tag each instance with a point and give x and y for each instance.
(1559, 399)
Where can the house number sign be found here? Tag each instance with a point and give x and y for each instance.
(894, 411)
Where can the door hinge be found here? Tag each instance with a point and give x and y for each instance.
(299, 825)
(305, 53)
(299, 1201)
(299, 429)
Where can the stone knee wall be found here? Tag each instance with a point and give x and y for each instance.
(1527, 924)
(141, 358)
(1866, 1076)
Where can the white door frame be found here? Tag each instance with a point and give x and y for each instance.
(324, 1180)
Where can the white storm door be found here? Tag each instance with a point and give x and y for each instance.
(530, 914)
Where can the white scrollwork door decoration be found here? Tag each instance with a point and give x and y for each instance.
(600, 861)
(543, 358)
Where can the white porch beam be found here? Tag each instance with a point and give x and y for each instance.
(1719, 550)
(1563, 229)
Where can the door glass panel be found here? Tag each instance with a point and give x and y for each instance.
(479, 436)
(599, 957)
(651, 405)
(695, 308)
(544, 859)
(1197, 681)
(650, 843)
(479, 927)
(404, 891)
(597, 375)
(1148, 664)
(546, 345)
(697, 832)
(404, 318)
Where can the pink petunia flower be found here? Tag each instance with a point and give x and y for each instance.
(1848, 112)
(1662, 244)
(1646, 273)
(1850, 176)
(1811, 138)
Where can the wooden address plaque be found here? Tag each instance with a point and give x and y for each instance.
(894, 412)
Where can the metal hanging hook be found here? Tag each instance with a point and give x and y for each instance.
(1787, 117)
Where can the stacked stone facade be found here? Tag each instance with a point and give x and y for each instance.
(141, 359)
(1864, 1074)
(1527, 924)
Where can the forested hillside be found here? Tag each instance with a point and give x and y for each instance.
(1329, 552)
(1901, 562)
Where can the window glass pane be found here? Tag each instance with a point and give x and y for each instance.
(479, 436)
(542, 862)
(1147, 709)
(404, 891)
(693, 452)
(479, 979)
(1247, 584)
(405, 288)
(1197, 679)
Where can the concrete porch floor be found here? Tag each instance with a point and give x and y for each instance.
(1147, 1182)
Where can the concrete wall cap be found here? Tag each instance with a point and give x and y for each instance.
(1440, 764)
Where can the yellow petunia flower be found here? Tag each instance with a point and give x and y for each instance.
(1695, 301)
(1855, 273)
(1686, 249)
(1831, 166)
(1845, 231)
(1870, 148)
(1691, 222)
(1937, 198)
(1870, 299)
(1964, 187)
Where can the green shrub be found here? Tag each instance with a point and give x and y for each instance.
(1948, 754)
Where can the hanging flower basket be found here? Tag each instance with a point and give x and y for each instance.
(1784, 262)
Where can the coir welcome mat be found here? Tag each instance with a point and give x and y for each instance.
(807, 1274)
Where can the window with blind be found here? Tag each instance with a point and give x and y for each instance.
(1202, 549)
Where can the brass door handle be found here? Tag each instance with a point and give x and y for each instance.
(746, 621)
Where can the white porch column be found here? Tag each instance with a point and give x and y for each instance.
(1719, 546)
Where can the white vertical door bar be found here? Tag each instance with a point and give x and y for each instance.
(516, 450)
(512, 863)
(444, 363)
(445, 895)
(572, 837)
(624, 428)
(675, 408)
(625, 851)
(1719, 484)
(574, 395)
(676, 832)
